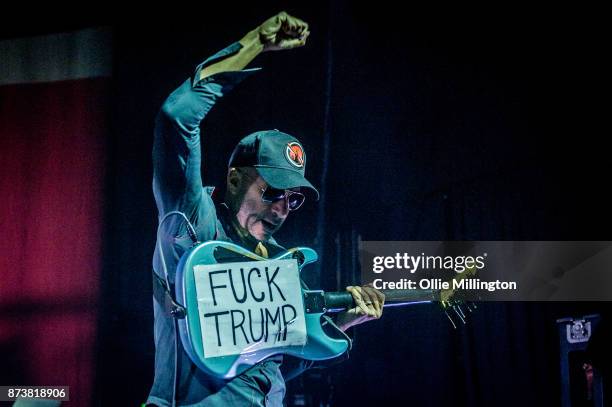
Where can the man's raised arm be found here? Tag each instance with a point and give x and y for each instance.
(177, 182)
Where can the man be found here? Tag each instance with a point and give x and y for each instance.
(265, 181)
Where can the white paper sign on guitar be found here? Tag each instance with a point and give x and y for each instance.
(248, 306)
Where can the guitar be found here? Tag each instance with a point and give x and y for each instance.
(296, 322)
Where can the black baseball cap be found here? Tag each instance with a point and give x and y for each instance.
(278, 157)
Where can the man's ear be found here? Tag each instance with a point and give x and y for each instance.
(233, 180)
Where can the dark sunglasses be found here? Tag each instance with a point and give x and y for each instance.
(270, 195)
(294, 199)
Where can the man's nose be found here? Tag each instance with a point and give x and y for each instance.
(280, 208)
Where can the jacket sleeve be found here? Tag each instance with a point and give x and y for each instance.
(177, 157)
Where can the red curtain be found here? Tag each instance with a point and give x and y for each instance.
(52, 142)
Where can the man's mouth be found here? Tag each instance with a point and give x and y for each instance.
(269, 226)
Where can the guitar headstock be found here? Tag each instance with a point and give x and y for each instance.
(451, 305)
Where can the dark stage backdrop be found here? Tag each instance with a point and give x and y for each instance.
(432, 130)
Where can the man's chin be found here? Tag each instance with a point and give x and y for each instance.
(263, 230)
(260, 233)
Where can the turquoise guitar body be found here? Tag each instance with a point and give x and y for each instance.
(318, 346)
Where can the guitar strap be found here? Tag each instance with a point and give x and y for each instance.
(163, 295)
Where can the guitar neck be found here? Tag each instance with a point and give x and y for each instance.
(342, 300)
(393, 296)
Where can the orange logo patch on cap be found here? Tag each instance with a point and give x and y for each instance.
(295, 154)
